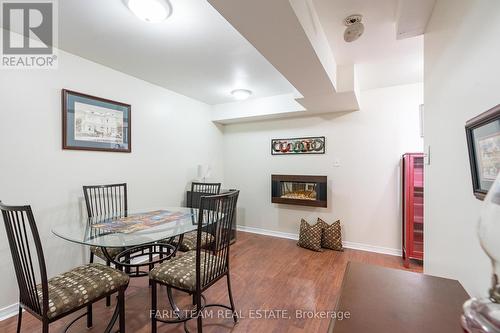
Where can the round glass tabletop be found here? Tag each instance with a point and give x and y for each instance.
(137, 228)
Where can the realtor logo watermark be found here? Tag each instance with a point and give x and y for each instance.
(29, 34)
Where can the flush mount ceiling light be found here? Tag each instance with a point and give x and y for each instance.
(241, 94)
(153, 11)
(354, 28)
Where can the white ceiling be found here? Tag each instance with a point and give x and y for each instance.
(377, 52)
(196, 52)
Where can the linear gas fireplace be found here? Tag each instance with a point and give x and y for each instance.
(299, 190)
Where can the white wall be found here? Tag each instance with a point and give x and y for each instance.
(462, 80)
(171, 135)
(363, 192)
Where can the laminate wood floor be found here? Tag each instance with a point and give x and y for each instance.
(270, 276)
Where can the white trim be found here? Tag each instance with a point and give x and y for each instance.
(346, 244)
(267, 232)
(372, 248)
(9, 311)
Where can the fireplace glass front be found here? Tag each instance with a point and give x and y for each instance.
(299, 190)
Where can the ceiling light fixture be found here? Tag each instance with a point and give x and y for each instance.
(152, 11)
(241, 94)
(354, 27)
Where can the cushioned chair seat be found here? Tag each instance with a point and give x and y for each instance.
(112, 251)
(81, 286)
(180, 272)
(189, 241)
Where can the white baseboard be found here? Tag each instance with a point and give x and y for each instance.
(346, 244)
(372, 248)
(266, 232)
(9, 311)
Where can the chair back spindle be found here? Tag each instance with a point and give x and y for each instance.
(106, 200)
(216, 214)
(26, 250)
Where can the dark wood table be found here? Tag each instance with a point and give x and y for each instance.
(386, 300)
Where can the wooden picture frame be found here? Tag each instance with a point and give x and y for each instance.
(297, 146)
(95, 124)
(483, 143)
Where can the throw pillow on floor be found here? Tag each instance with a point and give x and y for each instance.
(331, 236)
(310, 236)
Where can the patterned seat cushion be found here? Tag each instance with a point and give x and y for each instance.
(310, 236)
(112, 251)
(180, 272)
(331, 238)
(189, 241)
(80, 286)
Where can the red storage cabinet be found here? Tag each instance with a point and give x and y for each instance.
(413, 206)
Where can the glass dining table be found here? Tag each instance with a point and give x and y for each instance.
(135, 239)
(132, 240)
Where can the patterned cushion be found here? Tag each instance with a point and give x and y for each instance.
(189, 241)
(112, 251)
(180, 272)
(190, 238)
(331, 237)
(81, 286)
(310, 236)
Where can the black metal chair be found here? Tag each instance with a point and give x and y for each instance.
(193, 201)
(51, 299)
(195, 271)
(199, 189)
(105, 200)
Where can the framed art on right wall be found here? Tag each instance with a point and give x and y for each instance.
(483, 141)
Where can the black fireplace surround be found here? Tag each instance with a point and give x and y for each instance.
(299, 190)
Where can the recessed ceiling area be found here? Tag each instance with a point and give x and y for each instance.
(195, 52)
(381, 58)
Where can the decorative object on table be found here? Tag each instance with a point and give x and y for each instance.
(483, 141)
(138, 222)
(483, 315)
(412, 201)
(203, 172)
(94, 123)
(331, 235)
(301, 190)
(310, 236)
(196, 271)
(295, 146)
(52, 299)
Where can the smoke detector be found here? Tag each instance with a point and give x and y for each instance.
(354, 27)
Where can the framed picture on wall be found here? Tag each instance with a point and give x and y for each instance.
(94, 123)
(483, 141)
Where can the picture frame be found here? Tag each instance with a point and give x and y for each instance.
(95, 124)
(297, 146)
(483, 143)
